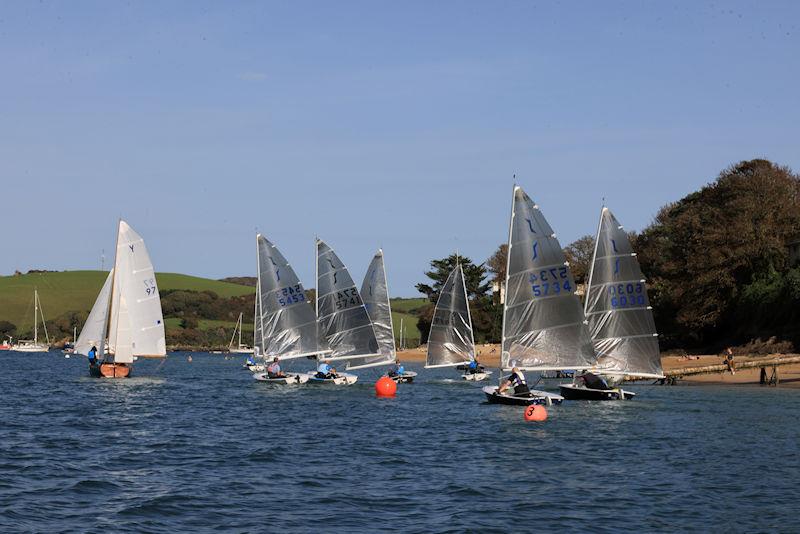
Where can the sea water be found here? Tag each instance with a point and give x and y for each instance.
(197, 446)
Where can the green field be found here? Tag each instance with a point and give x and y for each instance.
(60, 292)
(407, 305)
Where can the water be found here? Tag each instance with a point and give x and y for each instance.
(201, 446)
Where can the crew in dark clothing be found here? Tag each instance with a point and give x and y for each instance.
(516, 379)
(592, 381)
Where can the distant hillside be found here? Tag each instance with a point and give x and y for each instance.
(61, 292)
(241, 280)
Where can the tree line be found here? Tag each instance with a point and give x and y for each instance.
(721, 265)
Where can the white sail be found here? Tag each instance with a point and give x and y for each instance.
(375, 294)
(617, 308)
(93, 333)
(137, 324)
(543, 323)
(286, 325)
(450, 341)
(343, 318)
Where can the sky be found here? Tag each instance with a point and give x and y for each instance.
(372, 124)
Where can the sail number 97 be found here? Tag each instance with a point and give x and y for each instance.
(626, 295)
(150, 287)
(550, 282)
(291, 295)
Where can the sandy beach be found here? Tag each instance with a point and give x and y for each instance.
(489, 355)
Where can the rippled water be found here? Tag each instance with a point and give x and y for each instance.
(202, 446)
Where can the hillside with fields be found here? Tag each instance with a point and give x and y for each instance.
(198, 312)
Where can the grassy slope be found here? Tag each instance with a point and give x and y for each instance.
(76, 290)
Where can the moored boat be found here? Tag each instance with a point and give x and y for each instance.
(33, 345)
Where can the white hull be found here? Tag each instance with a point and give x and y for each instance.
(342, 379)
(29, 348)
(476, 377)
(258, 368)
(290, 379)
(408, 376)
(241, 351)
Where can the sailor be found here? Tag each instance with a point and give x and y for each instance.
(324, 370)
(473, 367)
(516, 379)
(398, 369)
(593, 381)
(274, 369)
(92, 355)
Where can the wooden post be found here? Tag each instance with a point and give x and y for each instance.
(763, 376)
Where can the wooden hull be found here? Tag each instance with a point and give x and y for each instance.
(111, 370)
(573, 392)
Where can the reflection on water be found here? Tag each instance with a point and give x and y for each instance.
(188, 446)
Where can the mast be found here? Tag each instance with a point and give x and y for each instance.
(257, 305)
(241, 315)
(594, 258)
(35, 316)
(111, 297)
(401, 333)
(505, 282)
(469, 315)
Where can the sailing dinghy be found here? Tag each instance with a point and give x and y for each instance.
(543, 323)
(620, 318)
(286, 325)
(375, 294)
(450, 341)
(343, 319)
(127, 312)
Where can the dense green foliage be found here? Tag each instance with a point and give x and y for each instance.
(717, 261)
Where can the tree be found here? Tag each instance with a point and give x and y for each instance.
(7, 329)
(701, 252)
(579, 255)
(497, 263)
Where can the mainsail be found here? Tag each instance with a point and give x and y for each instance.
(375, 294)
(543, 324)
(342, 316)
(286, 325)
(93, 333)
(450, 341)
(137, 324)
(619, 313)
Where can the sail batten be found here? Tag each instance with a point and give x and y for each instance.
(544, 327)
(618, 308)
(450, 341)
(343, 317)
(286, 324)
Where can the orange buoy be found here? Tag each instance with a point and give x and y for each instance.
(385, 387)
(537, 413)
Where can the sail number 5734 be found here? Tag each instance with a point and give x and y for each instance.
(550, 282)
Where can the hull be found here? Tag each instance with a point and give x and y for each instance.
(29, 348)
(241, 351)
(476, 377)
(343, 379)
(258, 368)
(535, 397)
(115, 370)
(406, 377)
(289, 380)
(573, 392)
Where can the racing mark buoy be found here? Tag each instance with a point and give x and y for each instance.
(536, 413)
(385, 387)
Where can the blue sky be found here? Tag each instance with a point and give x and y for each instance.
(393, 124)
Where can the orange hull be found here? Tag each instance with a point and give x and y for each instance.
(114, 370)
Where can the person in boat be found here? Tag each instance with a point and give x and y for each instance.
(592, 381)
(474, 366)
(324, 370)
(398, 369)
(92, 356)
(274, 369)
(516, 379)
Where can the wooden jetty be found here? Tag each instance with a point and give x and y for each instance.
(771, 362)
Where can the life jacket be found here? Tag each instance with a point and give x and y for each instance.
(274, 368)
(324, 368)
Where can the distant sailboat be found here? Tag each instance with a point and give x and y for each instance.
(620, 317)
(286, 325)
(127, 311)
(450, 341)
(33, 345)
(343, 318)
(240, 348)
(375, 294)
(544, 328)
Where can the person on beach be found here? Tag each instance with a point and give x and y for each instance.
(729, 361)
(516, 379)
(324, 370)
(398, 369)
(274, 369)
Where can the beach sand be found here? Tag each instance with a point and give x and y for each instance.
(489, 355)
